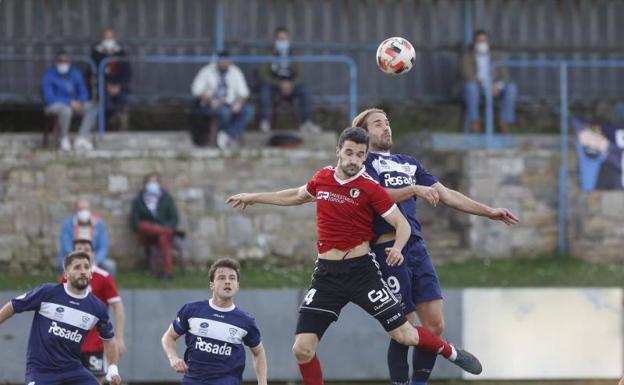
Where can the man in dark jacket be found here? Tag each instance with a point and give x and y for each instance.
(477, 75)
(64, 94)
(155, 217)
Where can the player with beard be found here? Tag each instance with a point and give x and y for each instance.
(347, 199)
(64, 314)
(216, 331)
(417, 283)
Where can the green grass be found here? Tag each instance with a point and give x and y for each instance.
(517, 272)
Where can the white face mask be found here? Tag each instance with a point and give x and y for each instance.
(152, 188)
(62, 68)
(83, 215)
(482, 47)
(282, 45)
(109, 44)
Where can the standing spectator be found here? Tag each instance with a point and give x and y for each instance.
(117, 78)
(222, 91)
(155, 217)
(64, 94)
(286, 79)
(476, 75)
(85, 224)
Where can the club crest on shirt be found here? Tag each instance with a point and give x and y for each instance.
(233, 335)
(354, 192)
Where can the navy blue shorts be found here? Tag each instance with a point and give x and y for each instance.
(74, 377)
(415, 280)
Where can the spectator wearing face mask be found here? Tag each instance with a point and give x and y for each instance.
(222, 94)
(155, 217)
(85, 224)
(477, 75)
(286, 79)
(117, 75)
(65, 94)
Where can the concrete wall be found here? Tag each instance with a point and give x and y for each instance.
(517, 333)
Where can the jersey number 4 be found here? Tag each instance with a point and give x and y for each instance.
(309, 296)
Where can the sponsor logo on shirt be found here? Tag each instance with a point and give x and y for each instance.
(395, 181)
(333, 197)
(65, 333)
(60, 309)
(213, 347)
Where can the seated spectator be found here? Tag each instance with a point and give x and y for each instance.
(85, 224)
(222, 91)
(477, 75)
(285, 79)
(117, 77)
(64, 94)
(155, 217)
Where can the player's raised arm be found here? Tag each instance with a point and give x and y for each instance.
(168, 342)
(460, 202)
(6, 312)
(403, 231)
(260, 363)
(289, 197)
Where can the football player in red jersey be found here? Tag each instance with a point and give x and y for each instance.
(346, 270)
(103, 286)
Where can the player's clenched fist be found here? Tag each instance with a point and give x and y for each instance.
(178, 365)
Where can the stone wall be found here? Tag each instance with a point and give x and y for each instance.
(38, 189)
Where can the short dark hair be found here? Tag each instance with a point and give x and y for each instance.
(354, 134)
(280, 29)
(224, 53)
(150, 175)
(230, 263)
(82, 241)
(478, 33)
(69, 258)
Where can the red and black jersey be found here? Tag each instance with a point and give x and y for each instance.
(345, 208)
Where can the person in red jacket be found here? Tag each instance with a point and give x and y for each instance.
(103, 286)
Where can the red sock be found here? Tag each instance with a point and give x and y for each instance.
(431, 343)
(311, 372)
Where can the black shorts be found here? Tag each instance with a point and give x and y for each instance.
(336, 283)
(95, 362)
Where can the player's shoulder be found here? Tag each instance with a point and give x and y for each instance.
(326, 171)
(97, 303)
(244, 315)
(366, 180)
(195, 306)
(99, 271)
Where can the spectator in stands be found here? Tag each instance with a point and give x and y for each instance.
(85, 224)
(477, 75)
(286, 79)
(117, 77)
(223, 92)
(64, 94)
(155, 217)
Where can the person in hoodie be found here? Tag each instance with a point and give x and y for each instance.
(154, 217)
(65, 94)
(117, 75)
(85, 224)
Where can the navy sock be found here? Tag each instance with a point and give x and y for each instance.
(422, 364)
(397, 363)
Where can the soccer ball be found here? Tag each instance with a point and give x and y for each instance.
(395, 56)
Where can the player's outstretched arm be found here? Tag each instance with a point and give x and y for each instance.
(168, 342)
(120, 326)
(460, 202)
(6, 312)
(260, 363)
(403, 231)
(290, 197)
(112, 357)
(424, 192)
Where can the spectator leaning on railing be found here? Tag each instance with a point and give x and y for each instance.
(64, 94)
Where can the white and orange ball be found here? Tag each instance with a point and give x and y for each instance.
(395, 56)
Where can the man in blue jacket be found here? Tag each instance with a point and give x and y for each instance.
(85, 224)
(64, 94)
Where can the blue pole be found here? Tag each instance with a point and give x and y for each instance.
(489, 114)
(352, 89)
(101, 96)
(467, 13)
(563, 169)
(219, 26)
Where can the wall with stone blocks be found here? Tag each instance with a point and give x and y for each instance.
(38, 189)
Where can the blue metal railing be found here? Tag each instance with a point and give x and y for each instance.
(237, 59)
(562, 66)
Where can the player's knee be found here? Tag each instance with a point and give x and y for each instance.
(302, 352)
(436, 327)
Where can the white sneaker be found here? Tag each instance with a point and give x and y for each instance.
(310, 127)
(265, 126)
(65, 144)
(83, 144)
(223, 140)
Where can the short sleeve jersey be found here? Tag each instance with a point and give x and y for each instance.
(345, 208)
(215, 339)
(103, 286)
(397, 171)
(61, 322)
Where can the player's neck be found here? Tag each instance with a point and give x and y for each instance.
(378, 150)
(222, 302)
(73, 290)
